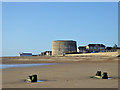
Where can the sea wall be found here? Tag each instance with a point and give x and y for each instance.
(113, 54)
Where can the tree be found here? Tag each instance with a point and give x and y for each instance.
(115, 46)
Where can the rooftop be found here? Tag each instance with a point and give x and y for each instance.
(101, 45)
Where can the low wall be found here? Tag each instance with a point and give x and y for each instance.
(114, 54)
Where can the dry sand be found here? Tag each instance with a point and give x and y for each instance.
(75, 74)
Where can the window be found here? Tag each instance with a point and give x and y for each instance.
(102, 47)
(94, 47)
(91, 47)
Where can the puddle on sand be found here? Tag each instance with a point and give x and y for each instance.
(41, 80)
(100, 78)
(5, 66)
(110, 78)
(35, 82)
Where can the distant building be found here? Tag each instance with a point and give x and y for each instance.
(25, 54)
(62, 47)
(46, 53)
(82, 49)
(95, 47)
(35, 54)
(108, 48)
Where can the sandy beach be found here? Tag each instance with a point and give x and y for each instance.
(75, 73)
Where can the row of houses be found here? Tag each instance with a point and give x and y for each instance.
(90, 48)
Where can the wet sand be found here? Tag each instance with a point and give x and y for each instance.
(74, 74)
(49, 59)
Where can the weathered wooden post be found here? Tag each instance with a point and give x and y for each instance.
(34, 78)
(98, 73)
(104, 75)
